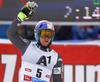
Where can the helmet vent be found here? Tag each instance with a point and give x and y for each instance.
(40, 26)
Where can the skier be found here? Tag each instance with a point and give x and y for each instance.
(39, 61)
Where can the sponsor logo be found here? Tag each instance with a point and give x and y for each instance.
(27, 78)
(28, 70)
(60, 59)
(34, 79)
(57, 70)
(47, 76)
(81, 73)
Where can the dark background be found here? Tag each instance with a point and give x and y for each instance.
(53, 10)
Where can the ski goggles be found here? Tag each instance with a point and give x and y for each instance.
(46, 32)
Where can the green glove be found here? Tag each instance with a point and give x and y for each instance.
(27, 10)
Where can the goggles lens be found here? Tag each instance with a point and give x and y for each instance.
(46, 32)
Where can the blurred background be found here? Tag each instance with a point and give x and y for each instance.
(62, 32)
(73, 19)
(77, 35)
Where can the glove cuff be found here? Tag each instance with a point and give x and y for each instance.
(22, 16)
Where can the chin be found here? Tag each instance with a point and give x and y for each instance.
(46, 44)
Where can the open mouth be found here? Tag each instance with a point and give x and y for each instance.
(45, 41)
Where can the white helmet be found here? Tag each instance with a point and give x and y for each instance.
(44, 24)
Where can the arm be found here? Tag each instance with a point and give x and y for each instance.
(57, 74)
(20, 43)
(12, 34)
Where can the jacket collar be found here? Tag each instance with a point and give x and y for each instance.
(44, 48)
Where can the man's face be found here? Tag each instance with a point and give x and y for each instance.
(45, 41)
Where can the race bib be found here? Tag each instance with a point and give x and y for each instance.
(34, 73)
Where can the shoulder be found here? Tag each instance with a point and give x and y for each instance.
(31, 47)
(54, 51)
(59, 56)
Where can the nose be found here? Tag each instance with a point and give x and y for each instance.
(46, 37)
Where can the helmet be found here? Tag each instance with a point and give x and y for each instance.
(44, 24)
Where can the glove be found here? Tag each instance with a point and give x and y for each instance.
(27, 10)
